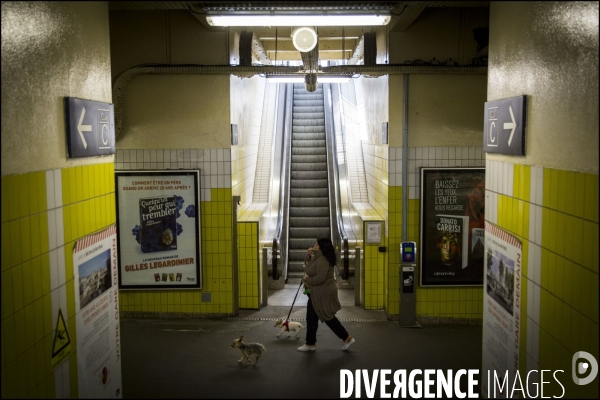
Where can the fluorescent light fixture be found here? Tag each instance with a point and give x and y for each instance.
(300, 79)
(285, 79)
(333, 79)
(299, 20)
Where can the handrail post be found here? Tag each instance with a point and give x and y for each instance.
(264, 278)
(357, 277)
(346, 272)
(275, 271)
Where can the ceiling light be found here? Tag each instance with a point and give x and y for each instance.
(304, 39)
(298, 20)
(334, 79)
(300, 79)
(285, 79)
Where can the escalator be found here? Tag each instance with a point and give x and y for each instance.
(308, 180)
(309, 213)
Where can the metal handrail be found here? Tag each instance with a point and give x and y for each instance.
(280, 241)
(338, 233)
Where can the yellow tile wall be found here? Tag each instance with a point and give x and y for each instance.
(395, 237)
(376, 263)
(248, 268)
(217, 272)
(569, 271)
(27, 325)
(568, 303)
(375, 274)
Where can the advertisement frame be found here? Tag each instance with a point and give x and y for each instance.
(166, 191)
(97, 321)
(452, 204)
(502, 300)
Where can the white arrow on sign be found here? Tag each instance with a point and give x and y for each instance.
(85, 128)
(510, 125)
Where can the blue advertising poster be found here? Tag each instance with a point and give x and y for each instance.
(158, 219)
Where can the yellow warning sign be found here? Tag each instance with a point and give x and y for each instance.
(61, 348)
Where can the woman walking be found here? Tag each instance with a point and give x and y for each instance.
(323, 300)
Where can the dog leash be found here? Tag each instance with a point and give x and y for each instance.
(286, 323)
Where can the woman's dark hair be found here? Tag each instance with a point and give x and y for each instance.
(327, 250)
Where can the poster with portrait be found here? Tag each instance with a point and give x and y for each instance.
(158, 219)
(97, 316)
(501, 307)
(452, 226)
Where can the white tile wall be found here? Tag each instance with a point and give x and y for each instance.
(262, 181)
(62, 381)
(467, 156)
(214, 164)
(56, 242)
(355, 163)
(536, 194)
(499, 181)
(375, 165)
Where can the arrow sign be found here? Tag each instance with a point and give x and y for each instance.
(510, 115)
(507, 125)
(87, 128)
(90, 127)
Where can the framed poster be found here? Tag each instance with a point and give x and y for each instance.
(97, 316)
(452, 226)
(158, 219)
(373, 232)
(501, 307)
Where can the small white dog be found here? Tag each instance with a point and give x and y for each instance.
(289, 326)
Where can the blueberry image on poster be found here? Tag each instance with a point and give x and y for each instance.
(158, 229)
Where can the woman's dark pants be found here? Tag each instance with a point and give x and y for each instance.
(312, 324)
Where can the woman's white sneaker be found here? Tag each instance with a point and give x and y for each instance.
(348, 344)
(305, 347)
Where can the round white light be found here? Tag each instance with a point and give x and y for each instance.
(304, 38)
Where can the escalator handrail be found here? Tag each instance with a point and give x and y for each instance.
(280, 241)
(338, 232)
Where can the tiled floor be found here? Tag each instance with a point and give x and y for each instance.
(175, 358)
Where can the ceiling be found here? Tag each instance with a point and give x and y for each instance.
(271, 43)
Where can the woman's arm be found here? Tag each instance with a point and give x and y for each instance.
(322, 267)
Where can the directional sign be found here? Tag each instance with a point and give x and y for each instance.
(90, 127)
(504, 126)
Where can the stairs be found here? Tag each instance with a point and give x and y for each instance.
(309, 189)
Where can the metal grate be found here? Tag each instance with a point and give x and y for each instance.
(285, 5)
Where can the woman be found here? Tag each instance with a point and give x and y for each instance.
(323, 300)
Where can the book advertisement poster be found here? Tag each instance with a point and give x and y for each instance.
(158, 219)
(452, 226)
(501, 308)
(97, 316)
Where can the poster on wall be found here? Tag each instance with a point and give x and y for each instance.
(501, 308)
(97, 316)
(452, 226)
(158, 219)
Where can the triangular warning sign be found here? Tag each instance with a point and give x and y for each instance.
(61, 336)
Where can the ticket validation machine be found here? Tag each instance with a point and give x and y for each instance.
(408, 302)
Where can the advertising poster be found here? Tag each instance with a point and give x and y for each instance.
(452, 226)
(501, 309)
(158, 215)
(97, 316)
